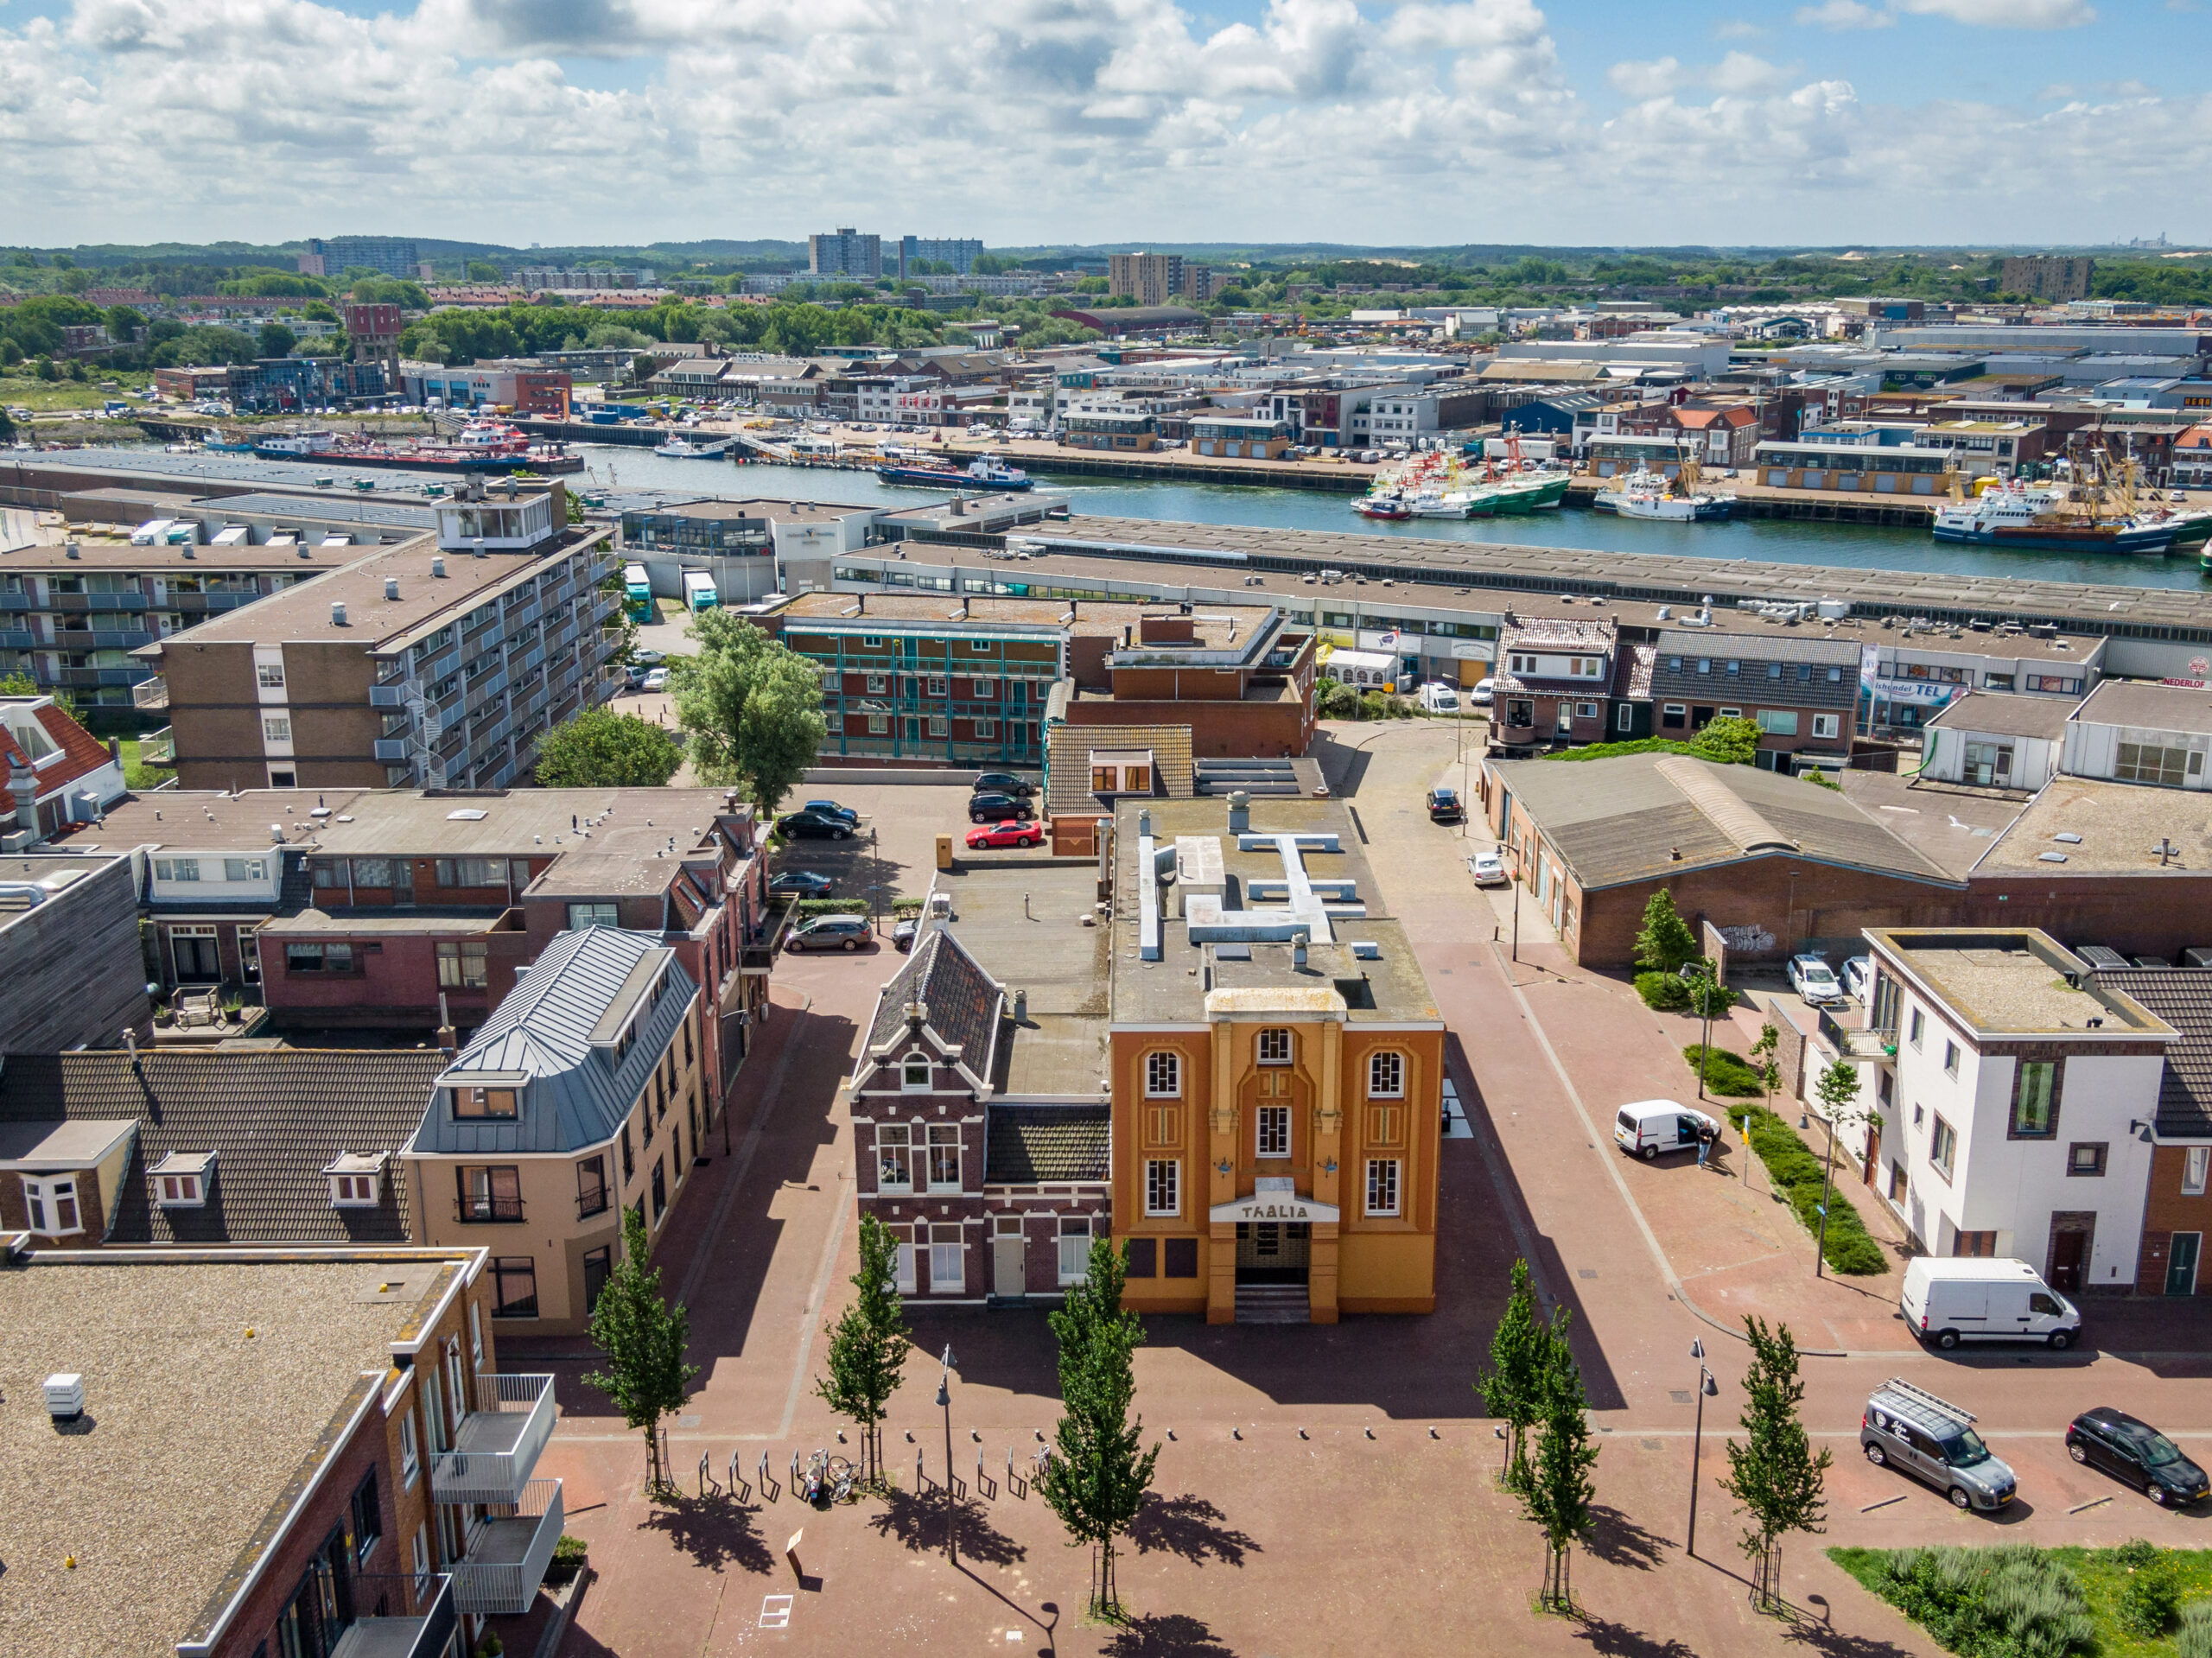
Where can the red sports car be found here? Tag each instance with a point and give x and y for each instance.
(1018, 832)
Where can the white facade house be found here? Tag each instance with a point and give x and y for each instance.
(1994, 739)
(2010, 1098)
(2133, 731)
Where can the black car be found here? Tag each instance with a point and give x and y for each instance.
(813, 826)
(1004, 783)
(806, 883)
(995, 809)
(2137, 1452)
(1444, 806)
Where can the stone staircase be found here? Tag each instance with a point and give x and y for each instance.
(1273, 1304)
(1255, 778)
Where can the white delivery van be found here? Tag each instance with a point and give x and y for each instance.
(1437, 697)
(1984, 1297)
(1648, 1127)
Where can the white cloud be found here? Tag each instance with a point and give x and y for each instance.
(2006, 14)
(1653, 79)
(1737, 29)
(1843, 14)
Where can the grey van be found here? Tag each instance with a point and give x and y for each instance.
(1933, 1440)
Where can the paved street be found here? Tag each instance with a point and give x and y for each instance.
(1279, 1542)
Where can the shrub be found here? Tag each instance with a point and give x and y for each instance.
(2012, 1601)
(2149, 1597)
(568, 1560)
(806, 908)
(1664, 991)
(1724, 1072)
(1800, 1176)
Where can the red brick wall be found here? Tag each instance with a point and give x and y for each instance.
(1219, 730)
(2166, 1211)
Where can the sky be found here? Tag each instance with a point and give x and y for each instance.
(1426, 122)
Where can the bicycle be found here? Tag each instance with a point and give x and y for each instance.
(840, 1475)
(812, 1481)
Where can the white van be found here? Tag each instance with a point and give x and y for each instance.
(1648, 1127)
(1984, 1298)
(1437, 697)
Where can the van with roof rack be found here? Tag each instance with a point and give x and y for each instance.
(1933, 1440)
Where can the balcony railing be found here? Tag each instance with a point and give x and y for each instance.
(424, 1633)
(507, 1559)
(1853, 1044)
(157, 748)
(498, 1446)
(477, 1208)
(151, 692)
(590, 1203)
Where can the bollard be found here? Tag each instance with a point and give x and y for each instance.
(790, 1555)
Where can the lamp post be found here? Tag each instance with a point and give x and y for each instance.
(1706, 1389)
(945, 1399)
(1827, 1192)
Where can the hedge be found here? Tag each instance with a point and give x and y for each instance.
(1724, 1072)
(1799, 1176)
(1664, 992)
(814, 906)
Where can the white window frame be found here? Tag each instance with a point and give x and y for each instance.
(1386, 1075)
(1383, 1200)
(269, 675)
(421, 1551)
(1163, 1186)
(1163, 1075)
(935, 685)
(986, 729)
(907, 1083)
(476, 1334)
(982, 687)
(905, 1281)
(1275, 1047)
(901, 1135)
(1074, 1266)
(177, 869)
(1271, 1131)
(878, 684)
(1916, 1025)
(2195, 1162)
(1624, 717)
(179, 1191)
(1951, 1059)
(410, 1456)
(249, 869)
(953, 1250)
(40, 1194)
(940, 726)
(276, 727)
(1946, 1165)
(879, 725)
(1827, 725)
(979, 647)
(931, 1143)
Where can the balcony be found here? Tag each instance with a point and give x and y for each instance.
(157, 748)
(480, 1208)
(152, 693)
(388, 748)
(426, 1633)
(497, 1446)
(102, 638)
(20, 638)
(77, 679)
(507, 1558)
(393, 696)
(1878, 1045)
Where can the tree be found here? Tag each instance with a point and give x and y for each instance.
(601, 749)
(1837, 1090)
(483, 271)
(1096, 1475)
(643, 1339)
(1513, 1388)
(1666, 942)
(752, 708)
(277, 340)
(1731, 740)
(869, 1346)
(1773, 1474)
(1558, 1494)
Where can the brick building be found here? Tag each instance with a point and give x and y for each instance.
(2177, 1199)
(58, 774)
(1552, 684)
(1802, 691)
(1237, 676)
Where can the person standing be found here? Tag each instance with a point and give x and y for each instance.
(1707, 1134)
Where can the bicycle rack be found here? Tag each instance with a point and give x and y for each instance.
(770, 1491)
(1016, 1487)
(706, 1480)
(983, 1483)
(737, 1488)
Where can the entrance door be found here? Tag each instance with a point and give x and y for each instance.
(1273, 1252)
(2071, 1236)
(1010, 1259)
(198, 961)
(2181, 1262)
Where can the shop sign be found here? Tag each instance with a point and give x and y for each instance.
(1273, 1206)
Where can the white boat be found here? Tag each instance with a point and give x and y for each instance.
(1430, 504)
(677, 448)
(1651, 495)
(989, 469)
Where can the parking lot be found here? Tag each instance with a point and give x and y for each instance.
(894, 853)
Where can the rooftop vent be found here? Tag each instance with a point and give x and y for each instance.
(391, 587)
(438, 569)
(64, 1396)
(74, 551)
(2051, 857)
(1364, 951)
(337, 614)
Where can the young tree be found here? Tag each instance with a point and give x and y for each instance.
(1096, 1477)
(643, 1339)
(1666, 941)
(1773, 1474)
(1763, 1060)
(1838, 1089)
(1731, 740)
(869, 1346)
(1558, 1494)
(601, 749)
(1513, 1388)
(753, 709)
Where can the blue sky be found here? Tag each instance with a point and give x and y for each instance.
(1387, 122)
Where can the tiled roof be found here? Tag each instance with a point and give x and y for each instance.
(1067, 783)
(1029, 1144)
(2182, 997)
(1556, 633)
(82, 753)
(963, 1002)
(275, 1121)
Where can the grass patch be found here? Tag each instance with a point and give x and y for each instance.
(1664, 993)
(2135, 1601)
(136, 773)
(1798, 1175)
(1724, 1072)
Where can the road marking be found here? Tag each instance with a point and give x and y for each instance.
(775, 1611)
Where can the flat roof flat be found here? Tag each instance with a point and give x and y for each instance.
(208, 820)
(514, 823)
(198, 1430)
(1021, 918)
(2148, 705)
(2107, 829)
(2005, 713)
(2015, 981)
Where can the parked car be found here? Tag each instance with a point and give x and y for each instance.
(647, 658)
(656, 680)
(1933, 1440)
(1485, 692)
(1004, 783)
(1648, 1127)
(904, 931)
(813, 826)
(1444, 806)
(829, 932)
(1490, 869)
(1017, 831)
(2137, 1452)
(1812, 978)
(995, 809)
(803, 883)
(1859, 975)
(831, 809)
(1438, 698)
(1947, 1299)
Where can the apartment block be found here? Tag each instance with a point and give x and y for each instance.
(2048, 277)
(960, 253)
(1238, 676)
(436, 663)
(579, 1098)
(1802, 693)
(1147, 278)
(846, 253)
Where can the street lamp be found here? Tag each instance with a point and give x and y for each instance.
(944, 1400)
(1706, 1389)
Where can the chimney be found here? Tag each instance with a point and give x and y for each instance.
(1021, 1006)
(22, 782)
(449, 1038)
(1240, 812)
(1297, 948)
(74, 551)
(276, 835)
(337, 614)
(390, 588)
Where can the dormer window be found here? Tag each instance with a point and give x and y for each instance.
(475, 1102)
(914, 1076)
(50, 1206)
(356, 1179)
(179, 1180)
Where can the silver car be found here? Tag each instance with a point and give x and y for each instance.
(1933, 1440)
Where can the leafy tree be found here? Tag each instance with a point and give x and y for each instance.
(1096, 1475)
(752, 708)
(643, 1340)
(1558, 1494)
(277, 340)
(1837, 1090)
(1730, 740)
(869, 1346)
(11, 352)
(1666, 941)
(601, 749)
(1513, 1388)
(319, 311)
(483, 271)
(6, 426)
(1773, 1473)
(47, 370)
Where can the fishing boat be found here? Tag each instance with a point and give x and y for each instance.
(2095, 510)
(1652, 496)
(1386, 505)
(679, 449)
(295, 445)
